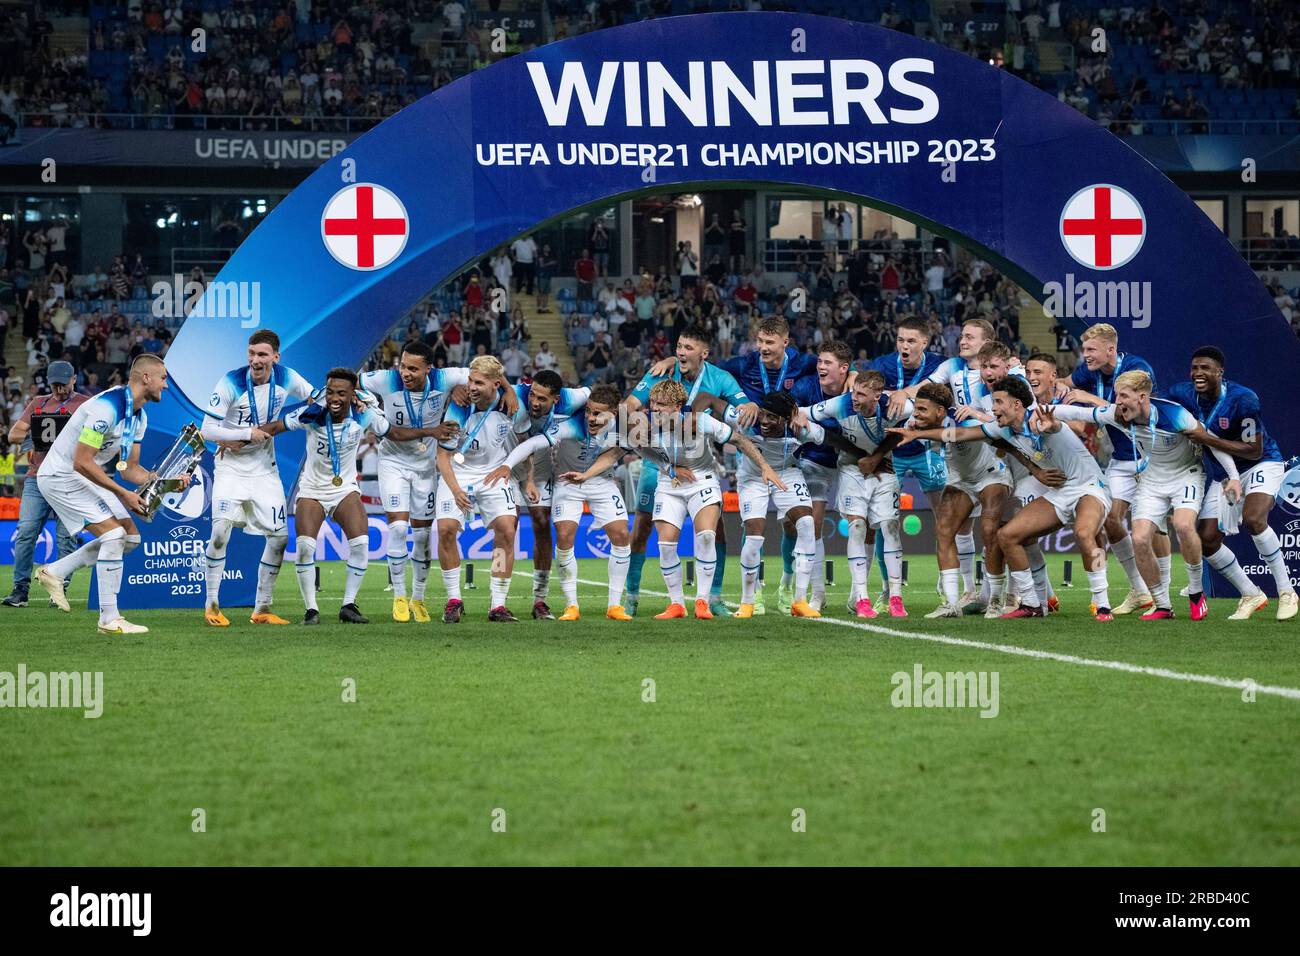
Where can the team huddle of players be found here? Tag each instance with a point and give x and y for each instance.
(988, 439)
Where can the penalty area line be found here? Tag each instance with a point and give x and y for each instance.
(1291, 693)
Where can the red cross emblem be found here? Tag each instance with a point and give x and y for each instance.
(364, 226)
(1103, 226)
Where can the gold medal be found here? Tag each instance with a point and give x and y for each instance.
(1038, 456)
(458, 458)
(336, 481)
(421, 447)
(121, 465)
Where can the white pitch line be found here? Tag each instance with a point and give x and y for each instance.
(1292, 693)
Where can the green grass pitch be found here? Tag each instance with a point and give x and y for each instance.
(751, 722)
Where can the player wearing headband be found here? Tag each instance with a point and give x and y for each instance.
(246, 489)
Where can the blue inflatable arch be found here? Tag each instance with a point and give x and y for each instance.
(822, 104)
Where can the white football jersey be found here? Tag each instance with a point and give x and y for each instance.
(422, 408)
(485, 438)
(327, 441)
(1062, 450)
(100, 423)
(238, 403)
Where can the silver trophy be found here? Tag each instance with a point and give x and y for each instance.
(182, 459)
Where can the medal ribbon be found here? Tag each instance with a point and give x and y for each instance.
(469, 438)
(785, 362)
(1035, 440)
(252, 400)
(915, 378)
(1132, 436)
(1214, 412)
(417, 421)
(333, 442)
(128, 429)
(695, 387)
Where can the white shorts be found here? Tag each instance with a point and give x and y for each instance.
(252, 502)
(874, 498)
(1264, 479)
(1156, 497)
(674, 504)
(403, 488)
(601, 495)
(1121, 480)
(820, 480)
(545, 494)
(490, 502)
(328, 498)
(756, 495)
(993, 475)
(1027, 490)
(77, 501)
(1066, 499)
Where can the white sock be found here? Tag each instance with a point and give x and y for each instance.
(950, 579)
(397, 557)
(108, 573)
(1160, 594)
(567, 568)
(805, 552)
(1195, 584)
(1023, 582)
(1226, 563)
(787, 580)
(619, 558)
(268, 569)
(1123, 551)
(216, 560)
(419, 562)
(305, 566)
(542, 584)
(986, 585)
(1041, 584)
(859, 565)
(819, 570)
(499, 588)
(1270, 552)
(1165, 565)
(358, 559)
(130, 543)
(1099, 585)
(751, 558)
(998, 584)
(671, 566)
(706, 562)
(893, 556)
(83, 557)
(966, 561)
(451, 581)
(1038, 568)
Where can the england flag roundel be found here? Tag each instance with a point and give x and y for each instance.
(364, 226)
(1103, 226)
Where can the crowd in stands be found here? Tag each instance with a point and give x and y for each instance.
(310, 63)
(99, 321)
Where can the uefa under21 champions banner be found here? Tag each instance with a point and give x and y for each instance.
(968, 151)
